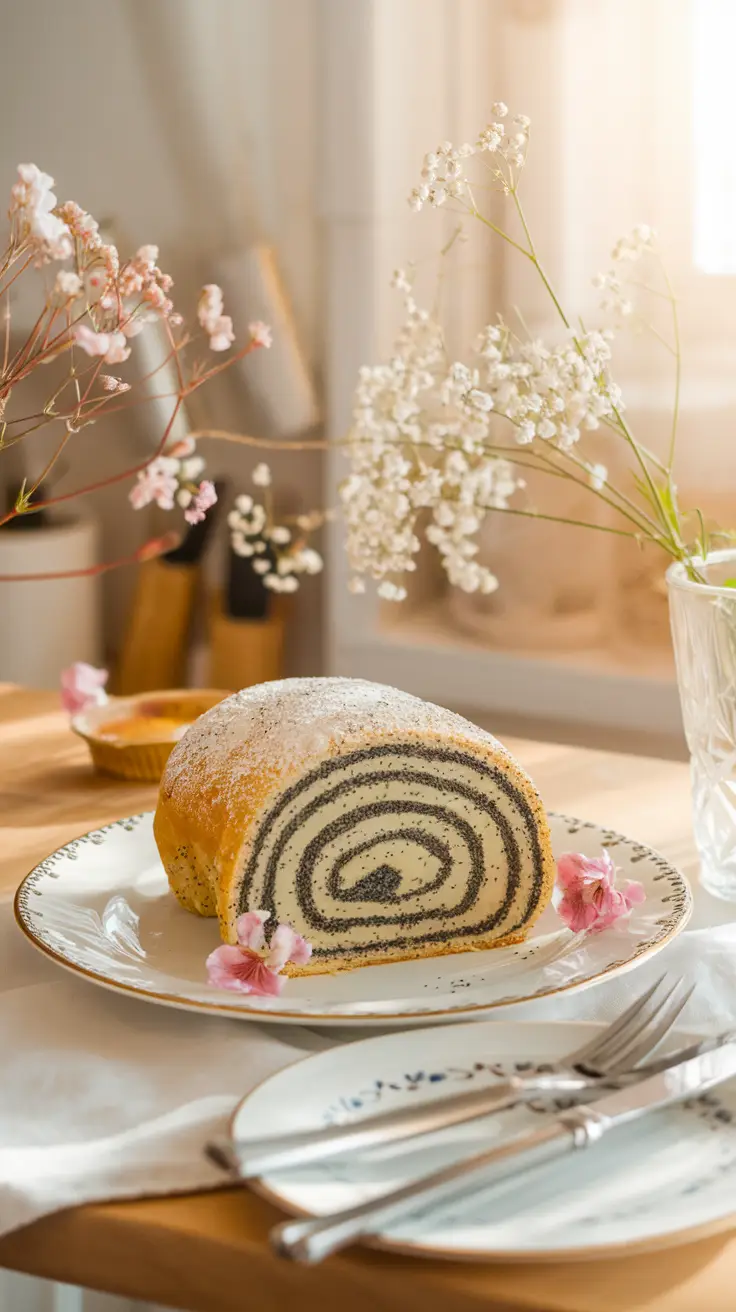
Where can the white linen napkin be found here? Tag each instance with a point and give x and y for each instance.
(105, 1097)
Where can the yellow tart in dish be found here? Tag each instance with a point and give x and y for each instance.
(132, 737)
(380, 827)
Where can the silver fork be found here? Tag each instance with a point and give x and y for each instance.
(609, 1057)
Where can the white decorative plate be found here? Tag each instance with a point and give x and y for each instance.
(670, 1177)
(101, 906)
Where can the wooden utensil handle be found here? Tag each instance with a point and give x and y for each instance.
(155, 645)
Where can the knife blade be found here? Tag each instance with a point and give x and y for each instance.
(248, 1159)
(580, 1128)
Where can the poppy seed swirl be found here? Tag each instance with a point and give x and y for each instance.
(371, 834)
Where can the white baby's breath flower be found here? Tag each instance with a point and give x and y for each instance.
(400, 281)
(280, 535)
(192, 468)
(307, 561)
(391, 591)
(640, 241)
(241, 546)
(489, 138)
(356, 585)
(499, 109)
(598, 476)
(281, 583)
(481, 400)
(244, 503)
(261, 475)
(419, 399)
(262, 566)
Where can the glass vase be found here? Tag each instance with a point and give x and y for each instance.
(703, 619)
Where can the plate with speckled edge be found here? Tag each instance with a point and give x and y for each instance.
(101, 907)
(660, 1182)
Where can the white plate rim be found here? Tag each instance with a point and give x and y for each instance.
(539, 1257)
(677, 919)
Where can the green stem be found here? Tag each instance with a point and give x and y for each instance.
(561, 519)
(531, 254)
(535, 258)
(678, 371)
(649, 455)
(633, 514)
(654, 490)
(476, 214)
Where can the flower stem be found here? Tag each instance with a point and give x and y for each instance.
(678, 370)
(562, 519)
(149, 550)
(535, 259)
(102, 482)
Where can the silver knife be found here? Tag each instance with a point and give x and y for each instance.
(250, 1158)
(583, 1126)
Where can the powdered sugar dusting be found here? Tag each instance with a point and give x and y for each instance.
(284, 725)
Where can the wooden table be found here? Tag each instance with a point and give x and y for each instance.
(208, 1252)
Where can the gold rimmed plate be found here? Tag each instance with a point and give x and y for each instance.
(101, 907)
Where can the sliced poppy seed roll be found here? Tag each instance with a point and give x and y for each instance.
(377, 825)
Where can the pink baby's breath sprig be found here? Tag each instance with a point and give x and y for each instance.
(260, 333)
(252, 967)
(217, 325)
(92, 313)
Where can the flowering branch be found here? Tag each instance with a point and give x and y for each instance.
(155, 547)
(423, 440)
(96, 306)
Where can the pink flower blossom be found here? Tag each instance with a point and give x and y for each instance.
(67, 287)
(32, 203)
(82, 225)
(210, 306)
(222, 333)
(287, 945)
(204, 497)
(242, 971)
(249, 967)
(157, 482)
(111, 346)
(132, 325)
(260, 333)
(218, 326)
(91, 342)
(82, 685)
(117, 352)
(96, 282)
(250, 929)
(112, 384)
(590, 900)
(111, 259)
(146, 256)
